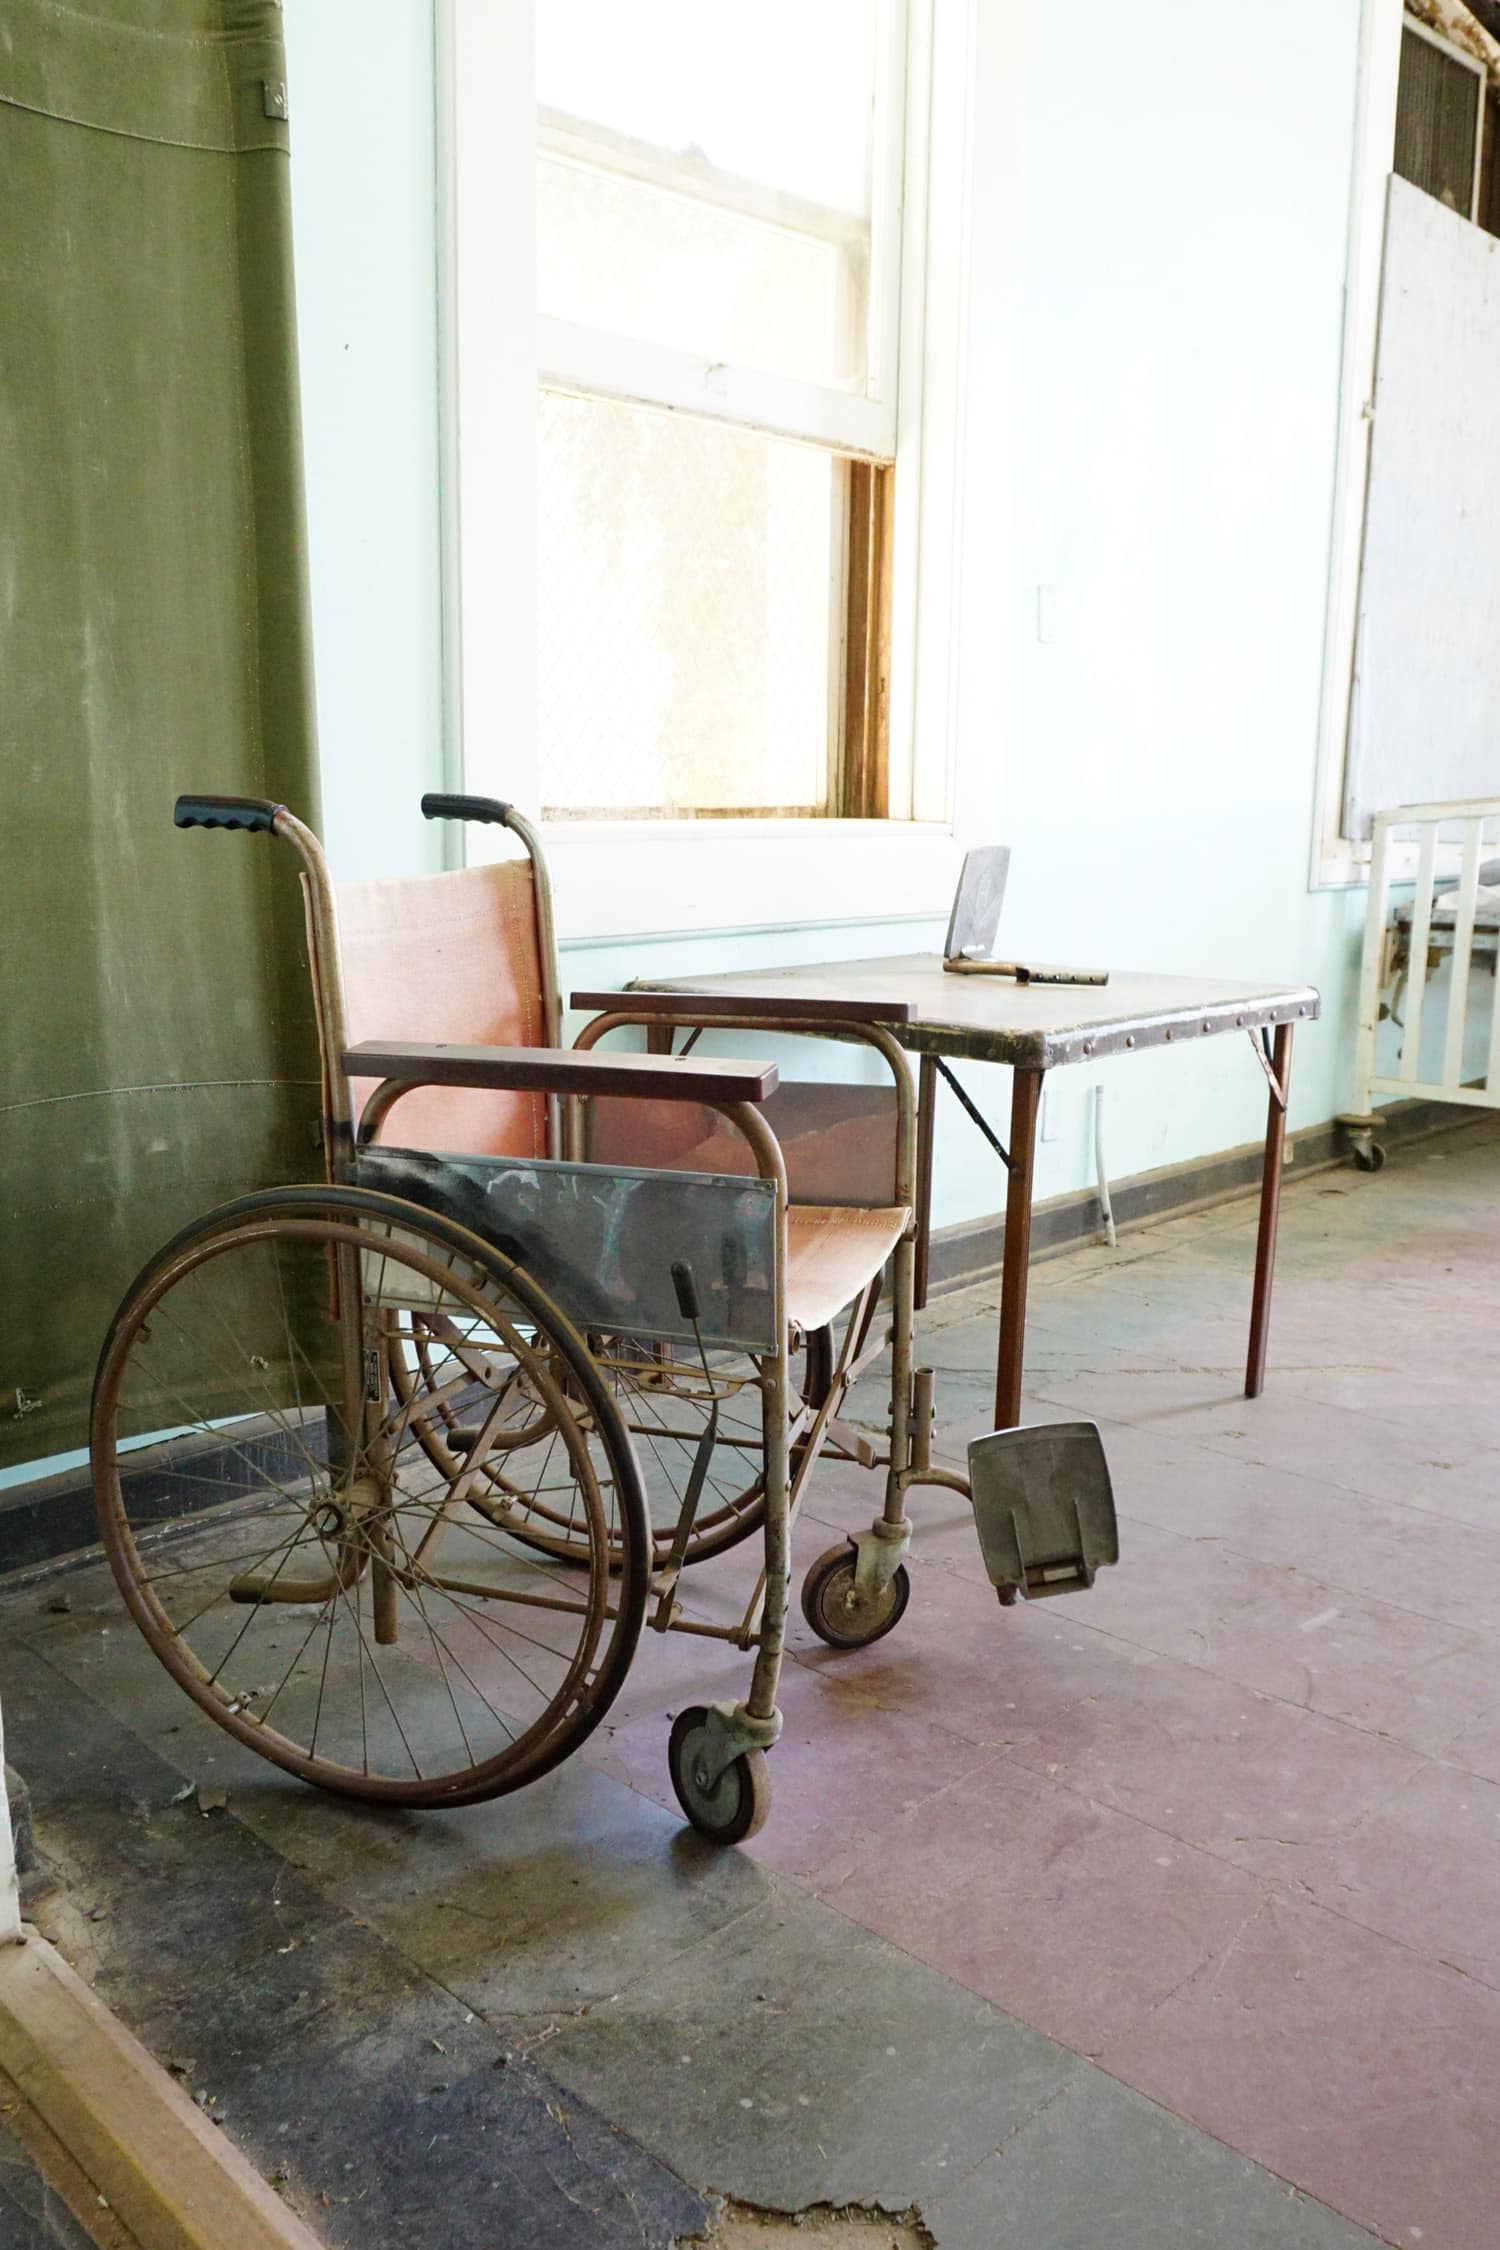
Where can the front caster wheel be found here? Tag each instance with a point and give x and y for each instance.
(1369, 1156)
(731, 1809)
(833, 1609)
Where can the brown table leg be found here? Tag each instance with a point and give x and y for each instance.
(1270, 1210)
(1025, 1102)
(926, 1132)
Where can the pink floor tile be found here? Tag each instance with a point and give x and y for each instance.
(989, 1675)
(1345, 2062)
(846, 1771)
(1477, 1748)
(1405, 1556)
(1076, 1918)
(1217, 1765)
(1423, 1867)
(843, 1771)
(1296, 1637)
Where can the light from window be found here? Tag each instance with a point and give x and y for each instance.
(689, 575)
(717, 244)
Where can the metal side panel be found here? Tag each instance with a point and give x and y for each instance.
(602, 1240)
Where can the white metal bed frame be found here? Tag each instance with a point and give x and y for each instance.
(1404, 948)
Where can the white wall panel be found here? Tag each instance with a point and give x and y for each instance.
(1425, 722)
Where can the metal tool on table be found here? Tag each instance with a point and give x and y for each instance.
(1028, 972)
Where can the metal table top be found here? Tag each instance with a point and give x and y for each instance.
(1030, 1026)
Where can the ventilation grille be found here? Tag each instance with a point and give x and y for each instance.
(1437, 122)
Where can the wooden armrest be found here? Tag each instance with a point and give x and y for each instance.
(558, 1070)
(801, 1008)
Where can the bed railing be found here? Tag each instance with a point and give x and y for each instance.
(1405, 950)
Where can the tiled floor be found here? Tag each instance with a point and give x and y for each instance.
(1231, 1823)
(1305, 1700)
(1227, 1828)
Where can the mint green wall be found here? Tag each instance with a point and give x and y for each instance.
(1159, 228)
(1157, 259)
(364, 237)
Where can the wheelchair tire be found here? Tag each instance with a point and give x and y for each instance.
(732, 1809)
(324, 1592)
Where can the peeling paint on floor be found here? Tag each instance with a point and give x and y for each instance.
(744, 2228)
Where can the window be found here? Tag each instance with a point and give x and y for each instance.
(718, 250)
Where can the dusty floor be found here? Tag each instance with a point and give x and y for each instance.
(1162, 1918)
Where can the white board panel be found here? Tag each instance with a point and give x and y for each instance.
(1424, 722)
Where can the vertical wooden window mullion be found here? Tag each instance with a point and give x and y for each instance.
(864, 776)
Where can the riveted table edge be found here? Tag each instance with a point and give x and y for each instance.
(1056, 1050)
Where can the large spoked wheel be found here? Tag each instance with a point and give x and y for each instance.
(287, 1539)
(664, 1401)
(665, 1404)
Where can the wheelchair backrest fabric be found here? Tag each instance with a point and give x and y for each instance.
(838, 1141)
(453, 958)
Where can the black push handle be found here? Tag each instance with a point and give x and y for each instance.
(258, 814)
(686, 1290)
(437, 806)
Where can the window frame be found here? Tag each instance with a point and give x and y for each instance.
(855, 427)
(595, 362)
(642, 877)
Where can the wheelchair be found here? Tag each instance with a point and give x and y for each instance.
(394, 1467)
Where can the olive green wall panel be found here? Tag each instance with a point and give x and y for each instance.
(153, 637)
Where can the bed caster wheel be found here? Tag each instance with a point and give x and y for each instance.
(1369, 1156)
(834, 1612)
(731, 1809)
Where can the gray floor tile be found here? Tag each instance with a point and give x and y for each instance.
(1102, 2168)
(387, 2108)
(794, 2059)
(537, 1901)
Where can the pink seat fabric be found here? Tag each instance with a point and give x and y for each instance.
(451, 958)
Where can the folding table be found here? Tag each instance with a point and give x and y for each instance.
(1035, 1028)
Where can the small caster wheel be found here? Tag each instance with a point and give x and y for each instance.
(1369, 1156)
(832, 1610)
(731, 1809)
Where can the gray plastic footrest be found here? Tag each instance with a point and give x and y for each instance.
(1043, 1508)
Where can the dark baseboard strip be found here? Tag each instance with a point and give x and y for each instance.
(46, 1523)
(974, 1250)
